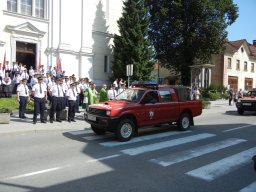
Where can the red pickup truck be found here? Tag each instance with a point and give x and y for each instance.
(143, 105)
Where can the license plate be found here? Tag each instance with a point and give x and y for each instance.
(247, 104)
(91, 117)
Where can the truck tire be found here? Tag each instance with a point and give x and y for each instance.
(97, 130)
(125, 130)
(184, 121)
(240, 111)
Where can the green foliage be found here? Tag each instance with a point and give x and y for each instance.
(219, 88)
(132, 46)
(4, 110)
(214, 96)
(12, 104)
(206, 104)
(225, 95)
(9, 103)
(188, 32)
(214, 92)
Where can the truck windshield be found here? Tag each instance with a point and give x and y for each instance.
(132, 95)
(251, 94)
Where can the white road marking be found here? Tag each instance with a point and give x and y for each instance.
(212, 171)
(165, 144)
(236, 128)
(196, 152)
(34, 173)
(80, 132)
(103, 158)
(249, 188)
(142, 138)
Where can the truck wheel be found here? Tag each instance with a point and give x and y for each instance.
(98, 131)
(240, 111)
(125, 130)
(184, 121)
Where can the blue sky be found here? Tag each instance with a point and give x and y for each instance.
(245, 25)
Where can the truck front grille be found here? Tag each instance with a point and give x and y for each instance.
(97, 112)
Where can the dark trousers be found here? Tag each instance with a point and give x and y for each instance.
(56, 108)
(81, 99)
(77, 103)
(23, 105)
(63, 102)
(39, 106)
(71, 109)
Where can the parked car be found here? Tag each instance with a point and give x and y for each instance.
(144, 105)
(247, 102)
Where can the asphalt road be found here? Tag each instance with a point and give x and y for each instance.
(215, 155)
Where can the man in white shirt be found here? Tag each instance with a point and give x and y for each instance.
(57, 94)
(24, 74)
(71, 96)
(31, 73)
(33, 80)
(112, 92)
(121, 89)
(77, 88)
(22, 97)
(17, 79)
(53, 72)
(40, 97)
(7, 68)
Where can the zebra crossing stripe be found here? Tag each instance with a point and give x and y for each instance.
(212, 171)
(166, 144)
(249, 188)
(196, 152)
(80, 132)
(140, 139)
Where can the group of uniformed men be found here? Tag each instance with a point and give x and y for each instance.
(60, 92)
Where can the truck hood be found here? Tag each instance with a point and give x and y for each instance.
(253, 98)
(108, 105)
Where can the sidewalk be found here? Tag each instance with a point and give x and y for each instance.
(20, 126)
(219, 106)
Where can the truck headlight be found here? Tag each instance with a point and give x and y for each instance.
(108, 113)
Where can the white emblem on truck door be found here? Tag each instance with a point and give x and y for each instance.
(151, 114)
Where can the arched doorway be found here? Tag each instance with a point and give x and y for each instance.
(26, 54)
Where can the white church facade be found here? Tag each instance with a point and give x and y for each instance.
(79, 33)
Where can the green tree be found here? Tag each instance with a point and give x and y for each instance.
(188, 32)
(132, 46)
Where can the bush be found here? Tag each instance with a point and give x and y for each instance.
(205, 104)
(214, 96)
(4, 110)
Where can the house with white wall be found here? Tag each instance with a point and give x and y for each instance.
(235, 67)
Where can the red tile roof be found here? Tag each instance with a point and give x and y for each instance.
(233, 46)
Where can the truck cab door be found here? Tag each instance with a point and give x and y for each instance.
(149, 112)
(170, 108)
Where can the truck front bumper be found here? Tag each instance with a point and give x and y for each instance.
(104, 123)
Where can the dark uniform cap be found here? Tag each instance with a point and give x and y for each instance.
(40, 78)
(24, 79)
